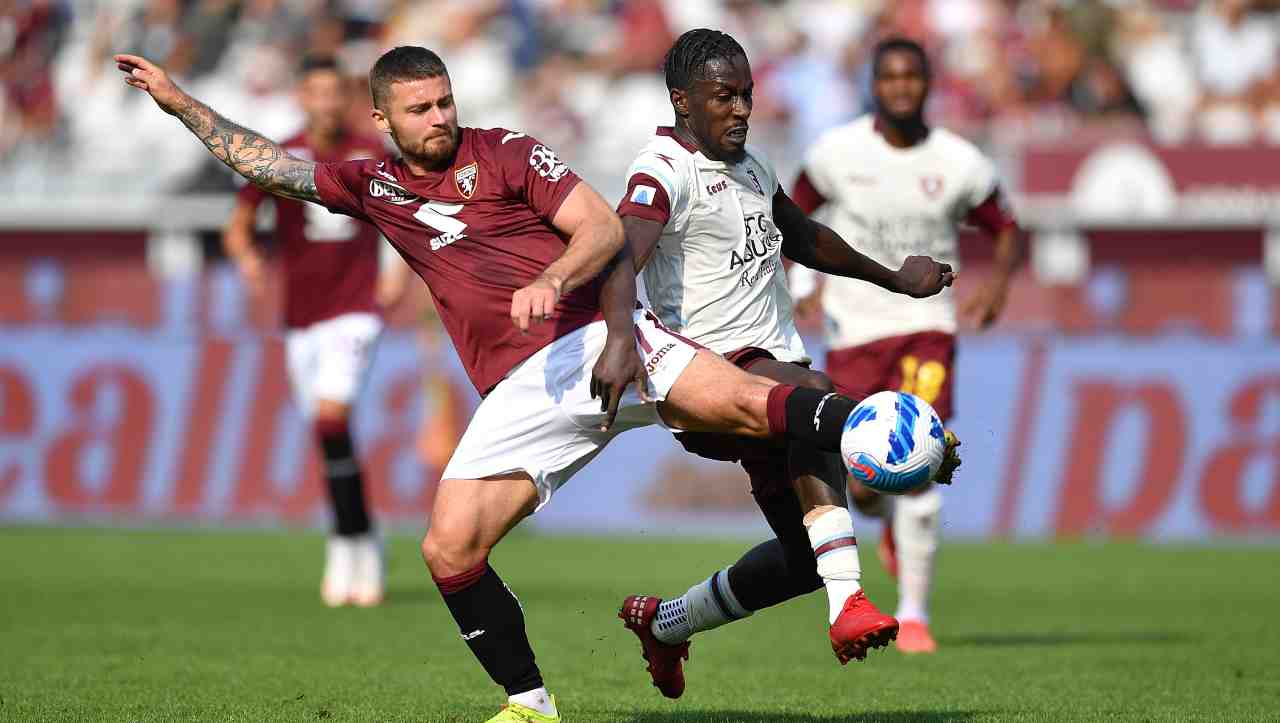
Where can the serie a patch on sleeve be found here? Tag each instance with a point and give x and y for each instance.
(644, 195)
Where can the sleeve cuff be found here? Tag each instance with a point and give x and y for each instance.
(806, 195)
(646, 198)
(992, 215)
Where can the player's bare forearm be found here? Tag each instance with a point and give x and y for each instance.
(259, 159)
(1009, 252)
(595, 237)
(618, 295)
(590, 250)
(812, 244)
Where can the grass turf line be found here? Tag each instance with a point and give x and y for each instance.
(109, 625)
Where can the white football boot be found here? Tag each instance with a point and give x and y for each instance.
(339, 571)
(368, 586)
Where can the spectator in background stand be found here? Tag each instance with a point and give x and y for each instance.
(1158, 69)
(1234, 54)
(1099, 91)
(30, 35)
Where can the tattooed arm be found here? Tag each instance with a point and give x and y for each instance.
(258, 159)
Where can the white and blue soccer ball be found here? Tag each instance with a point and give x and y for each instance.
(893, 442)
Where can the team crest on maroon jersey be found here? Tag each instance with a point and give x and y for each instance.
(465, 178)
(931, 185)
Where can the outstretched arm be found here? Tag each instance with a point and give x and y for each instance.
(258, 159)
(812, 244)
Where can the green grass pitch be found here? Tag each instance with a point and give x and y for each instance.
(227, 626)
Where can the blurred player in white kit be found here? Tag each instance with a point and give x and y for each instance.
(895, 187)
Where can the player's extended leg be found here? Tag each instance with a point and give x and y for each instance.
(468, 519)
(817, 478)
(713, 395)
(870, 503)
(815, 545)
(769, 573)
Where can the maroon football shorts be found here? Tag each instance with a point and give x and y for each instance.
(919, 363)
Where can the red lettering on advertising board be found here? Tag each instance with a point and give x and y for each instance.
(1081, 508)
(256, 492)
(1222, 480)
(17, 419)
(126, 435)
(204, 416)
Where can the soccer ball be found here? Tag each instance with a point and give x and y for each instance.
(893, 442)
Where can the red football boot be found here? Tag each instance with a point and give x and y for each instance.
(859, 628)
(888, 550)
(637, 613)
(915, 638)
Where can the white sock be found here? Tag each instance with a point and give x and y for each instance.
(831, 534)
(537, 699)
(707, 605)
(915, 533)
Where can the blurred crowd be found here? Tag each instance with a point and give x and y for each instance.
(584, 75)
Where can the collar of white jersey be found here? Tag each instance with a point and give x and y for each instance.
(918, 146)
(699, 157)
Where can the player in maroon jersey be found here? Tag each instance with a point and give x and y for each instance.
(331, 317)
(512, 245)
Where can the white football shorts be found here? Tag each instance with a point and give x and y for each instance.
(541, 418)
(330, 359)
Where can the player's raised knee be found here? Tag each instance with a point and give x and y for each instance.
(448, 554)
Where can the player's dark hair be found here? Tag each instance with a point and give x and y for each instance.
(891, 45)
(312, 63)
(400, 64)
(687, 59)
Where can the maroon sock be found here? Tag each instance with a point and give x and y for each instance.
(808, 415)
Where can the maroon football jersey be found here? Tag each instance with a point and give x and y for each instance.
(475, 232)
(330, 261)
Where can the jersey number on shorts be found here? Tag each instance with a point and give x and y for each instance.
(923, 380)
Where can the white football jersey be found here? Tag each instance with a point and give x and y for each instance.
(890, 203)
(716, 275)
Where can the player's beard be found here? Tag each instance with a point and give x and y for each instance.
(429, 153)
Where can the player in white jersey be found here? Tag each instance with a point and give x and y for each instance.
(896, 187)
(709, 224)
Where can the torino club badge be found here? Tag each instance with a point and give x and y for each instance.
(465, 177)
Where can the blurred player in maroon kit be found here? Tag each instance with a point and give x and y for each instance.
(895, 186)
(332, 294)
(512, 245)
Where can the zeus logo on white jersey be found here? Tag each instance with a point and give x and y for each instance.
(439, 216)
